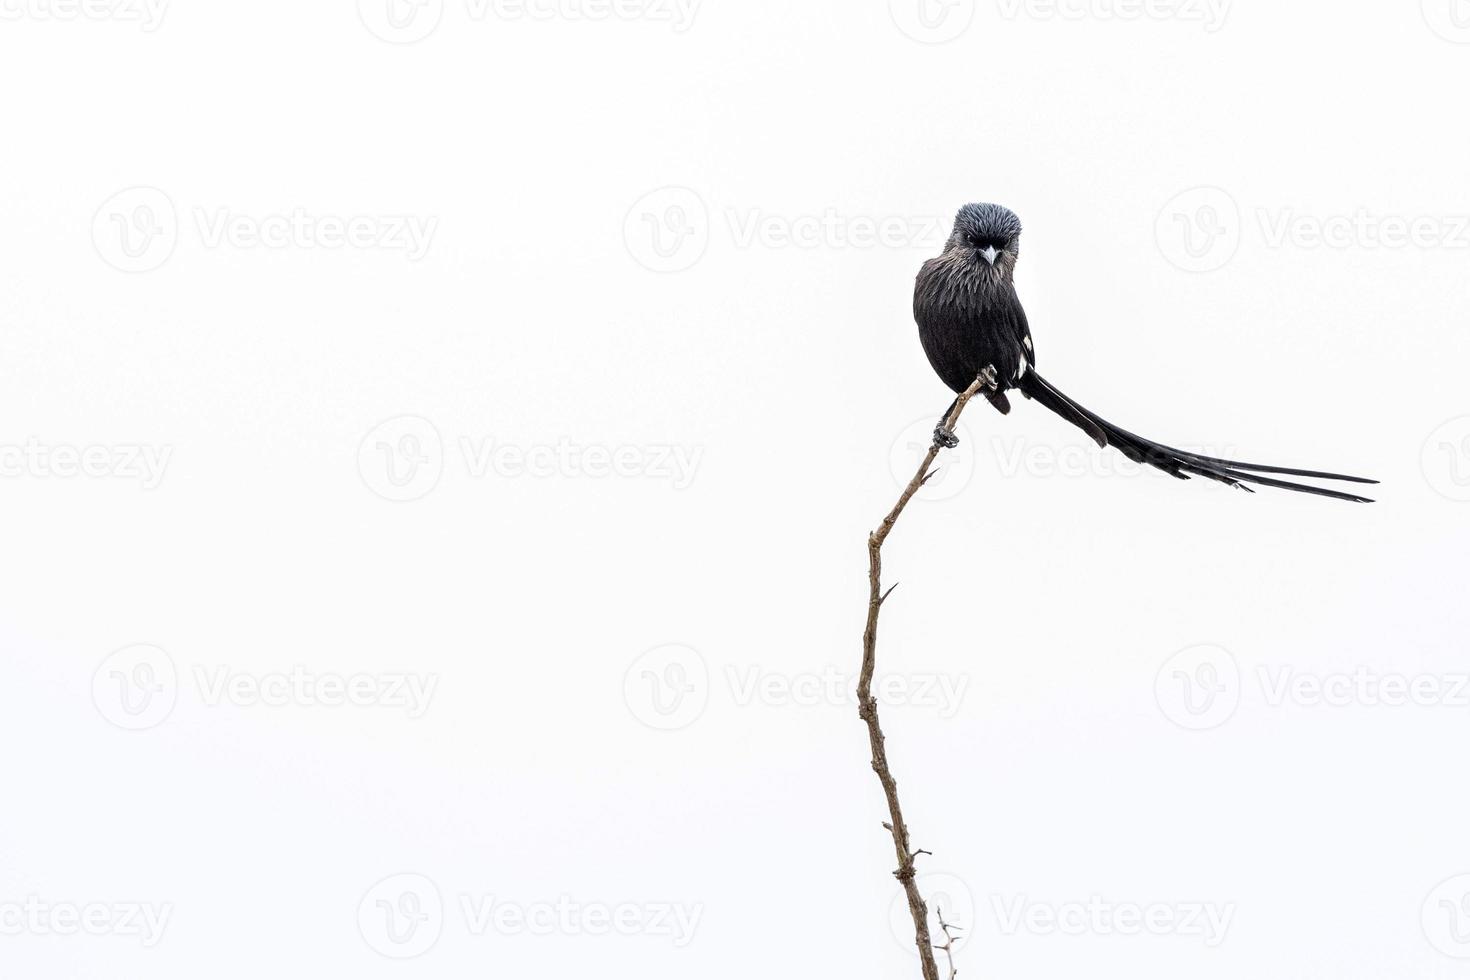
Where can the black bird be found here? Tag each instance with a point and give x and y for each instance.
(970, 319)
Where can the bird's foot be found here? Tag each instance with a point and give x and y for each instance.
(944, 437)
(989, 379)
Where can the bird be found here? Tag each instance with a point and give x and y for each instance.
(972, 325)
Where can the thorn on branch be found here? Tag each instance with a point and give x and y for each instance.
(948, 946)
(884, 597)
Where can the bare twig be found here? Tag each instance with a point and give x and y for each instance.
(949, 928)
(868, 705)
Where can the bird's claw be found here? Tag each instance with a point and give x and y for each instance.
(989, 379)
(944, 438)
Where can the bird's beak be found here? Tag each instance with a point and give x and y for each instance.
(990, 254)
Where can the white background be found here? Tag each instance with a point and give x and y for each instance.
(301, 389)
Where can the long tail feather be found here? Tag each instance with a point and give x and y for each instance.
(1177, 462)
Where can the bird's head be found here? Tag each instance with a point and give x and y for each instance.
(987, 235)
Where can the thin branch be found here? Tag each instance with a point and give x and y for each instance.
(948, 928)
(868, 705)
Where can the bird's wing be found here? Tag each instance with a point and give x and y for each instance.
(1019, 331)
